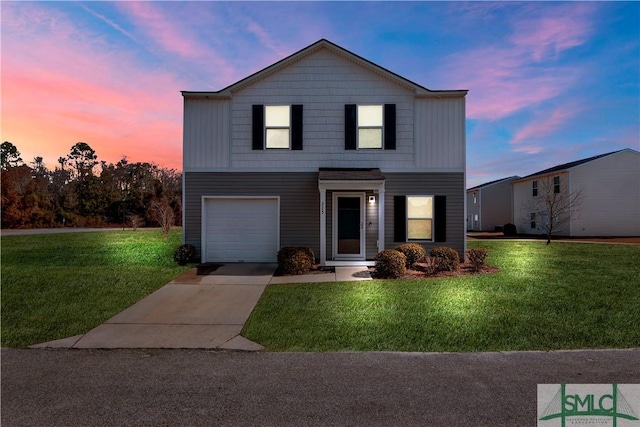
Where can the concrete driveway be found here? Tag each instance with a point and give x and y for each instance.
(196, 311)
(191, 311)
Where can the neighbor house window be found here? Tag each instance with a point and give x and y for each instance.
(475, 200)
(419, 217)
(277, 121)
(533, 221)
(556, 184)
(534, 187)
(370, 126)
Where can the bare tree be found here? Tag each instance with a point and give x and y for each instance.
(553, 205)
(135, 221)
(162, 212)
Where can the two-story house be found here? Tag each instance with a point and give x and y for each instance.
(490, 205)
(327, 150)
(596, 196)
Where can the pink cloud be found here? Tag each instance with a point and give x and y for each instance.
(548, 36)
(502, 83)
(58, 90)
(543, 125)
(162, 29)
(175, 33)
(521, 72)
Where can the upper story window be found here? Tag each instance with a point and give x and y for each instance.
(276, 127)
(277, 121)
(556, 184)
(475, 199)
(370, 127)
(534, 188)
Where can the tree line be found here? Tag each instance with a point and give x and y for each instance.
(81, 191)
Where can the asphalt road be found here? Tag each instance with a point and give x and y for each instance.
(213, 388)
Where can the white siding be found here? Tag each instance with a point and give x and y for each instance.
(217, 135)
(323, 83)
(440, 134)
(611, 196)
(206, 134)
(523, 207)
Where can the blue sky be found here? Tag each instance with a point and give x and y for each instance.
(549, 82)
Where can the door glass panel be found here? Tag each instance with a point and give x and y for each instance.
(349, 225)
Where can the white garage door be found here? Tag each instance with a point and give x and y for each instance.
(241, 230)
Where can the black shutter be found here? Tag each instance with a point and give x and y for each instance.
(350, 127)
(389, 126)
(257, 127)
(296, 127)
(440, 218)
(399, 219)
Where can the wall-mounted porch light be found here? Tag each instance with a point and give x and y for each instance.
(372, 199)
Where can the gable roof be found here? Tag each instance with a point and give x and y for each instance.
(573, 164)
(487, 184)
(337, 50)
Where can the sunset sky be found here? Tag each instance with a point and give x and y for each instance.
(548, 82)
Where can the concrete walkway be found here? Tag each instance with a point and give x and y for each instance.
(192, 311)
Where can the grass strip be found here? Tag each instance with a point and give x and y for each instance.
(59, 285)
(561, 296)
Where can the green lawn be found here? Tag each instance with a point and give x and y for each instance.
(561, 296)
(59, 285)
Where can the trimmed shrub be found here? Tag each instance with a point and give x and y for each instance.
(185, 254)
(477, 257)
(509, 230)
(447, 259)
(390, 264)
(429, 266)
(414, 253)
(295, 260)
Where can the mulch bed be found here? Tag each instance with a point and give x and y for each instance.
(465, 269)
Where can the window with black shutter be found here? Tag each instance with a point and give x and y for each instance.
(420, 218)
(370, 127)
(277, 127)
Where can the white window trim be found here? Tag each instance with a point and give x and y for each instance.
(266, 127)
(432, 219)
(358, 127)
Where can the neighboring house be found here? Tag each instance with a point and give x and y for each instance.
(490, 205)
(325, 150)
(605, 193)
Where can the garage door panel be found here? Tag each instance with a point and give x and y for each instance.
(241, 230)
